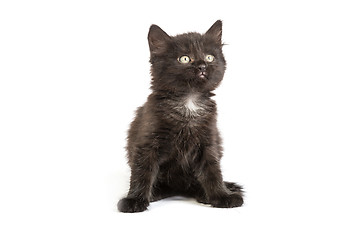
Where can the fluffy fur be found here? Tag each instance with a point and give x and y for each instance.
(174, 147)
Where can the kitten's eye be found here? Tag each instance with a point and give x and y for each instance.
(209, 58)
(184, 59)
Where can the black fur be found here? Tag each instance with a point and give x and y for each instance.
(174, 147)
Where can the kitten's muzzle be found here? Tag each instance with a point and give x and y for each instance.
(202, 71)
(202, 75)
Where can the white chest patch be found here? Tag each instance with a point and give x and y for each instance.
(192, 106)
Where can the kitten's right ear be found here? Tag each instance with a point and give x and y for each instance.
(157, 39)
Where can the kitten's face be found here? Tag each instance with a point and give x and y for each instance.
(186, 62)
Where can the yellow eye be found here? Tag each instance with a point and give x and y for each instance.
(209, 58)
(184, 59)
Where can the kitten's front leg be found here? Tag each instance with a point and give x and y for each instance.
(144, 170)
(211, 180)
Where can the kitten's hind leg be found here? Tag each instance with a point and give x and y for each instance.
(233, 187)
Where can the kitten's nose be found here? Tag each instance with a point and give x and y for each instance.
(202, 67)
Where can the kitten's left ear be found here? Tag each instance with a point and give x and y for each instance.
(215, 32)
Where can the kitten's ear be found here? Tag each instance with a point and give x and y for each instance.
(157, 39)
(215, 32)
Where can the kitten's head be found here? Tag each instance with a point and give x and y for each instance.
(186, 62)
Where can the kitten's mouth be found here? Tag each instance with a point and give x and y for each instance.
(202, 75)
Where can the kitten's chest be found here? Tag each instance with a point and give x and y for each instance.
(192, 108)
(188, 121)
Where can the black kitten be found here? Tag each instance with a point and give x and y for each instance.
(174, 147)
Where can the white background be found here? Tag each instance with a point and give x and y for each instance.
(72, 74)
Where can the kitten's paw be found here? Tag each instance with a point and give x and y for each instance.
(233, 187)
(228, 201)
(131, 205)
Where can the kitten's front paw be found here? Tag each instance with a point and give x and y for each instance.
(228, 201)
(131, 205)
